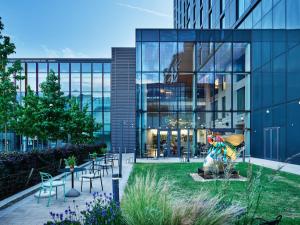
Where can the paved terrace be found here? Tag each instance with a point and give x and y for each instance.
(29, 212)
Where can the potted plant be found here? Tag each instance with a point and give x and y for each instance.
(94, 156)
(71, 162)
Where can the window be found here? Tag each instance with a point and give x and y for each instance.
(293, 15)
(241, 99)
(223, 107)
(168, 56)
(150, 56)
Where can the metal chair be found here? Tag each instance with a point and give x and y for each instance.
(48, 184)
(103, 165)
(91, 176)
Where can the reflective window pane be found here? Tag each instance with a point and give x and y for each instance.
(241, 57)
(205, 91)
(64, 67)
(106, 80)
(97, 82)
(150, 91)
(222, 91)
(97, 67)
(64, 82)
(75, 67)
(53, 67)
(150, 56)
(97, 101)
(86, 82)
(186, 56)
(168, 56)
(223, 57)
(205, 57)
(86, 67)
(75, 82)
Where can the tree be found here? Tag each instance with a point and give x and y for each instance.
(52, 109)
(29, 117)
(8, 90)
(80, 125)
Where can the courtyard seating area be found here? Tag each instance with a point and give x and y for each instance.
(85, 180)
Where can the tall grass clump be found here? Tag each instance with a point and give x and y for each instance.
(147, 202)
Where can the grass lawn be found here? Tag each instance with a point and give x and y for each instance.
(282, 196)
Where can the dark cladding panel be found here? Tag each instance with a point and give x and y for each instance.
(123, 106)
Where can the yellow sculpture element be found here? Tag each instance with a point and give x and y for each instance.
(234, 140)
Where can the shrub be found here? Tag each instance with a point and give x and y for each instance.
(20, 170)
(148, 201)
(101, 210)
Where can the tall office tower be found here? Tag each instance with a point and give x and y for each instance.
(236, 14)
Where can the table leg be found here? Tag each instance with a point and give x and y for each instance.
(72, 192)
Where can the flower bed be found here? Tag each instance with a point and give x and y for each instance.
(20, 170)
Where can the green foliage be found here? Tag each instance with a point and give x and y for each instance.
(8, 102)
(53, 115)
(80, 125)
(276, 194)
(29, 117)
(149, 201)
(71, 161)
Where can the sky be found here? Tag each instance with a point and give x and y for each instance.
(79, 28)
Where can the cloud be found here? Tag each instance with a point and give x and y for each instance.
(153, 12)
(63, 53)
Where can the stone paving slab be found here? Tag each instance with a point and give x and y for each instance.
(29, 212)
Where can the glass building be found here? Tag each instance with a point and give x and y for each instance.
(275, 71)
(236, 14)
(88, 80)
(190, 84)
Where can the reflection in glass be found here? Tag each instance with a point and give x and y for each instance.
(75, 67)
(42, 67)
(97, 82)
(205, 120)
(64, 82)
(150, 56)
(186, 56)
(223, 57)
(64, 67)
(106, 101)
(150, 91)
(42, 78)
(97, 101)
(241, 57)
(106, 80)
(223, 91)
(75, 82)
(106, 67)
(86, 82)
(205, 91)
(87, 100)
(97, 67)
(205, 57)
(86, 67)
(53, 67)
(168, 56)
(31, 81)
(241, 92)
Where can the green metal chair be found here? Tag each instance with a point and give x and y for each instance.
(48, 184)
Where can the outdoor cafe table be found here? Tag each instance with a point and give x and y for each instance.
(72, 192)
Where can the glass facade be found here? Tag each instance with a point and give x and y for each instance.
(88, 80)
(237, 14)
(190, 85)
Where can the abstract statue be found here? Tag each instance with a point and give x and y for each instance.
(222, 151)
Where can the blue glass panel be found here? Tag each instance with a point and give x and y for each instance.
(279, 88)
(97, 81)
(138, 35)
(293, 81)
(293, 59)
(186, 35)
(86, 67)
(150, 35)
(75, 67)
(106, 96)
(42, 67)
(106, 67)
(150, 56)
(168, 56)
(279, 15)
(75, 82)
(97, 101)
(87, 100)
(64, 67)
(53, 67)
(138, 56)
(292, 14)
(64, 82)
(223, 57)
(86, 82)
(168, 35)
(97, 67)
(106, 80)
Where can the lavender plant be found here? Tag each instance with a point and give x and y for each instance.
(101, 210)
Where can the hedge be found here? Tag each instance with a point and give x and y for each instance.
(20, 170)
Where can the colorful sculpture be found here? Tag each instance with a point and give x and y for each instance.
(222, 150)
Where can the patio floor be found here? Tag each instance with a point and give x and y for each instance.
(29, 212)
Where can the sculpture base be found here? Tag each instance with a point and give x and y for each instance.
(234, 174)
